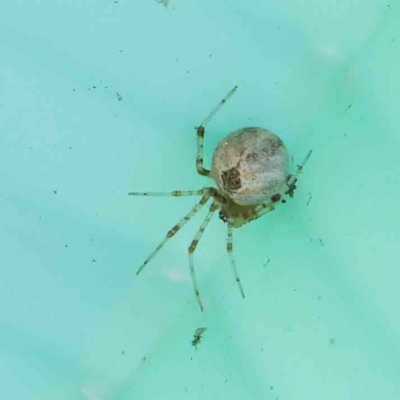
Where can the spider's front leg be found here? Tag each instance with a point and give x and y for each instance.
(200, 135)
(292, 179)
(200, 160)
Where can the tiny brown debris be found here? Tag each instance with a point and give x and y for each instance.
(198, 336)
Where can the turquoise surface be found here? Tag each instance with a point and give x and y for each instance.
(100, 98)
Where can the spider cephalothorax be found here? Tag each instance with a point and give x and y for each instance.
(251, 169)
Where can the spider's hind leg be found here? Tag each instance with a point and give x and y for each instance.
(214, 207)
(200, 134)
(229, 248)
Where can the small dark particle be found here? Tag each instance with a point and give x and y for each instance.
(144, 358)
(268, 261)
(332, 341)
(65, 245)
(119, 97)
(348, 108)
(197, 336)
(122, 352)
(55, 191)
(93, 260)
(309, 199)
(163, 2)
(226, 380)
(321, 242)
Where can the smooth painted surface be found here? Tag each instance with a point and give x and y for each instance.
(99, 98)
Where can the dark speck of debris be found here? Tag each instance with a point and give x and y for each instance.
(268, 261)
(198, 336)
(332, 341)
(271, 388)
(122, 352)
(55, 191)
(163, 2)
(321, 242)
(65, 245)
(144, 358)
(119, 97)
(309, 199)
(348, 108)
(93, 260)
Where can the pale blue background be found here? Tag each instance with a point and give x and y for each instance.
(321, 319)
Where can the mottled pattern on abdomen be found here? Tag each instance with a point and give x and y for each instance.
(250, 165)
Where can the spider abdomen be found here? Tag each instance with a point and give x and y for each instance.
(250, 166)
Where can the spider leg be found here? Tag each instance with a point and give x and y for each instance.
(229, 248)
(176, 228)
(293, 178)
(214, 207)
(200, 134)
(176, 193)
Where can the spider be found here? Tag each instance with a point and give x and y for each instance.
(250, 167)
